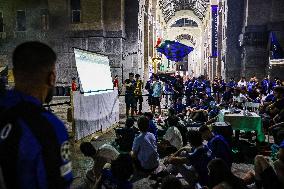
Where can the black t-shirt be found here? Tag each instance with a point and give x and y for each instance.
(130, 86)
(279, 104)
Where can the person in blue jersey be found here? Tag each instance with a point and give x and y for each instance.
(199, 85)
(188, 91)
(34, 150)
(152, 124)
(116, 174)
(144, 149)
(157, 94)
(179, 106)
(149, 88)
(265, 83)
(232, 83)
(217, 144)
(191, 163)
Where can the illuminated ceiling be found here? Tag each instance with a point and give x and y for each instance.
(170, 7)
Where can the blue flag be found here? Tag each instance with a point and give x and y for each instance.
(174, 51)
(275, 47)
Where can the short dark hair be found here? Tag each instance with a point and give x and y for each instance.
(203, 128)
(137, 75)
(155, 76)
(170, 182)
(131, 74)
(129, 122)
(88, 149)
(33, 57)
(194, 138)
(143, 124)
(122, 167)
(279, 89)
(149, 115)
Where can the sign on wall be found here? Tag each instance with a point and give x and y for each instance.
(214, 36)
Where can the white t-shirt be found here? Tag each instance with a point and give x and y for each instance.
(174, 137)
(242, 84)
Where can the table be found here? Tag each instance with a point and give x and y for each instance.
(239, 121)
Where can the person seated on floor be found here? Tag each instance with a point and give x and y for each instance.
(174, 121)
(105, 154)
(116, 174)
(179, 107)
(227, 96)
(191, 164)
(171, 142)
(125, 136)
(144, 149)
(152, 124)
(170, 182)
(275, 109)
(267, 175)
(220, 174)
(217, 144)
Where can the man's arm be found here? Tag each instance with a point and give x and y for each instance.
(177, 160)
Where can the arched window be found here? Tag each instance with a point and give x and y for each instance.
(184, 22)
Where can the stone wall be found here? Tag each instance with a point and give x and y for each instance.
(234, 27)
(261, 18)
(102, 29)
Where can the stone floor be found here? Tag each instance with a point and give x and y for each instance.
(81, 164)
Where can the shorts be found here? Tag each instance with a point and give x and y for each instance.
(150, 100)
(156, 101)
(130, 101)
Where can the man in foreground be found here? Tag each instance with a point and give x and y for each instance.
(34, 147)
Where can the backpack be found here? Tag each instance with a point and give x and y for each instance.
(10, 134)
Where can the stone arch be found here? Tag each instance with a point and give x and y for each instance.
(185, 14)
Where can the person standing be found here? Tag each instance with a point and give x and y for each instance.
(242, 83)
(115, 81)
(138, 93)
(157, 94)
(74, 84)
(34, 147)
(130, 101)
(149, 88)
(177, 89)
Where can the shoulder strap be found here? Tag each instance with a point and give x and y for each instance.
(10, 135)
(46, 136)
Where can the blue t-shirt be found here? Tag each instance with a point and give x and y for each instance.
(145, 146)
(199, 159)
(220, 149)
(157, 89)
(31, 171)
(110, 182)
(179, 108)
(153, 128)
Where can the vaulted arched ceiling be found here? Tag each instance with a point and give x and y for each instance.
(170, 7)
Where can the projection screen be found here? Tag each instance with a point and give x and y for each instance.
(94, 72)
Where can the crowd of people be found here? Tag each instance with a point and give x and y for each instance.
(34, 147)
(202, 155)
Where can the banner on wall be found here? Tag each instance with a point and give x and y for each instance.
(214, 36)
